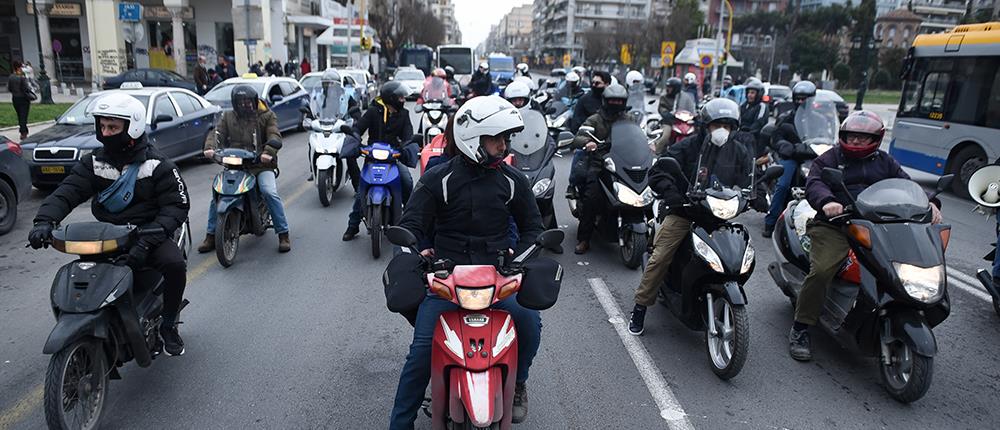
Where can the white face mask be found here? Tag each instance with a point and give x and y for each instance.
(720, 136)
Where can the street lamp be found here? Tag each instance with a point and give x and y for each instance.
(43, 78)
(866, 45)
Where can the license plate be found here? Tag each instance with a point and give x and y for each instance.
(53, 169)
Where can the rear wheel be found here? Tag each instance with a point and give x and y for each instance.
(908, 375)
(227, 239)
(376, 226)
(324, 181)
(8, 207)
(728, 347)
(76, 386)
(965, 163)
(633, 246)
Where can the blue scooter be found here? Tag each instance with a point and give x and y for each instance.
(239, 206)
(382, 191)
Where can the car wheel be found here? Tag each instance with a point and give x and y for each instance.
(8, 207)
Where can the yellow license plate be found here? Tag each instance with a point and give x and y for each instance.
(53, 169)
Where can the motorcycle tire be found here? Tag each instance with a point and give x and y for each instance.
(325, 185)
(920, 369)
(632, 249)
(84, 358)
(376, 226)
(227, 238)
(728, 356)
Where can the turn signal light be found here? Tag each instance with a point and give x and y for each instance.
(861, 234)
(507, 290)
(441, 290)
(945, 236)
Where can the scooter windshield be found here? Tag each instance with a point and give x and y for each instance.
(893, 199)
(630, 150)
(435, 89)
(532, 138)
(816, 122)
(332, 103)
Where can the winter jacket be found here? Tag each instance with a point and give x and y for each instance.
(385, 127)
(859, 173)
(252, 134)
(599, 125)
(18, 86)
(753, 117)
(160, 195)
(731, 163)
(586, 106)
(201, 79)
(481, 84)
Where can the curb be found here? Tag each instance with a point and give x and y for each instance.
(34, 124)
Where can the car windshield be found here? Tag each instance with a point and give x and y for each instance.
(780, 92)
(500, 64)
(359, 78)
(79, 113)
(310, 83)
(409, 75)
(222, 93)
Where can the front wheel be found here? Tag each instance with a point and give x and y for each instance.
(227, 241)
(324, 181)
(728, 346)
(376, 226)
(633, 246)
(76, 386)
(908, 375)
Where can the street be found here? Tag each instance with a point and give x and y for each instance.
(304, 340)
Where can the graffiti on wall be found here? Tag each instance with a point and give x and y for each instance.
(208, 52)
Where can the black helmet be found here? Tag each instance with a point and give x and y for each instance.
(674, 84)
(721, 110)
(244, 100)
(803, 90)
(393, 94)
(615, 99)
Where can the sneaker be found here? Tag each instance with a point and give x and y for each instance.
(768, 231)
(798, 345)
(208, 245)
(582, 247)
(636, 319)
(172, 342)
(352, 230)
(284, 243)
(520, 411)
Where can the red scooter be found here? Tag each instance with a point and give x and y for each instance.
(683, 126)
(474, 355)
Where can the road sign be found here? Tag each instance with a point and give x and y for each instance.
(705, 61)
(667, 50)
(57, 46)
(566, 60)
(626, 56)
(129, 12)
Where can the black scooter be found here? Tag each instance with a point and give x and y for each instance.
(892, 289)
(704, 284)
(533, 150)
(239, 206)
(106, 315)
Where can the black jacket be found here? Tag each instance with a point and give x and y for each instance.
(469, 207)
(753, 117)
(161, 197)
(731, 163)
(588, 105)
(786, 141)
(481, 84)
(394, 128)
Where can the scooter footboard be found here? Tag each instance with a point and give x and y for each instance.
(479, 396)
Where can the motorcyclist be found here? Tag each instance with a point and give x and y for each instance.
(386, 121)
(863, 164)
(253, 127)
(467, 202)
(786, 142)
(569, 90)
(436, 86)
(481, 83)
(672, 101)
(518, 94)
(753, 113)
(131, 183)
(691, 85)
(522, 70)
(588, 106)
(330, 87)
(456, 88)
(598, 125)
(714, 152)
(636, 85)
(584, 76)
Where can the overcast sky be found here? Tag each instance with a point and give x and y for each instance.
(476, 16)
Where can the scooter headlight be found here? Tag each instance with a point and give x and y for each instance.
(724, 209)
(924, 284)
(631, 198)
(232, 161)
(707, 253)
(474, 299)
(380, 154)
(748, 257)
(434, 115)
(541, 186)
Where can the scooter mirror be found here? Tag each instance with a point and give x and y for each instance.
(832, 176)
(550, 110)
(550, 239)
(773, 172)
(944, 182)
(401, 237)
(346, 129)
(418, 108)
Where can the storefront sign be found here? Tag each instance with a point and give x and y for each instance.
(110, 62)
(161, 12)
(59, 9)
(129, 12)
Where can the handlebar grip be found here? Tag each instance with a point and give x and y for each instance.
(150, 231)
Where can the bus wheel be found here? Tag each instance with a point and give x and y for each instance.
(965, 163)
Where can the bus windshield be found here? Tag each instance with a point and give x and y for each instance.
(458, 58)
(501, 64)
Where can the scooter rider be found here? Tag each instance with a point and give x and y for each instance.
(599, 125)
(518, 94)
(253, 127)
(589, 103)
(481, 83)
(329, 83)
(863, 164)
(753, 113)
(456, 88)
(674, 99)
(386, 121)
(132, 183)
(786, 142)
(467, 201)
(691, 85)
(721, 155)
(522, 70)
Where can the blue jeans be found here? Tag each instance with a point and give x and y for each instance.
(417, 370)
(778, 199)
(405, 183)
(267, 183)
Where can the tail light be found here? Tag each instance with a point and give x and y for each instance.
(14, 147)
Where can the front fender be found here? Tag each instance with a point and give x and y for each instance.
(377, 195)
(324, 162)
(732, 291)
(911, 328)
(72, 327)
(226, 203)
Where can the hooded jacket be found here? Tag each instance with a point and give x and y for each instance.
(731, 163)
(384, 126)
(251, 134)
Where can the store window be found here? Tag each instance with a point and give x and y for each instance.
(161, 46)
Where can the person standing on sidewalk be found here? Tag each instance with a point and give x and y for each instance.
(201, 76)
(21, 95)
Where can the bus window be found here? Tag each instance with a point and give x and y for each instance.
(993, 104)
(932, 101)
(967, 102)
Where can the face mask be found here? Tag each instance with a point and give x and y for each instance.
(597, 90)
(720, 136)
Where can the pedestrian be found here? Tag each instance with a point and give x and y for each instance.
(225, 69)
(278, 69)
(21, 95)
(306, 68)
(29, 72)
(201, 76)
(213, 79)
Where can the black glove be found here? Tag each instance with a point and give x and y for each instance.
(346, 129)
(40, 234)
(136, 257)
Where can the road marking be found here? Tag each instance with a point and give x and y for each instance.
(670, 408)
(24, 407)
(968, 284)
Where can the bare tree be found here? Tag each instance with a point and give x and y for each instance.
(401, 22)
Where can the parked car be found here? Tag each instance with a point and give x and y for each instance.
(412, 78)
(149, 78)
(284, 96)
(15, 182)
(366, 86)
(177, 122)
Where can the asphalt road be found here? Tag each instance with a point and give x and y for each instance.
(303, 340)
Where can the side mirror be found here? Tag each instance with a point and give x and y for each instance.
(832, 176)
(418, 108)
(943, 184)
(401, 237)
(550, 239)
(275, 98)
(305, 110)
(346, 129)
(161, 118)
(772, 173)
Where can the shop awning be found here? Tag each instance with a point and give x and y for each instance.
(310, 21)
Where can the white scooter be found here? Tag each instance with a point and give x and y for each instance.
(328, 132)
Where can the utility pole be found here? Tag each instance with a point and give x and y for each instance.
(246, 41)
(350, 26)
(718, 45)
(774, 45)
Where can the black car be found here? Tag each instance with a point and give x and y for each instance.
(177, 122)
(15, 182)
(149, 78)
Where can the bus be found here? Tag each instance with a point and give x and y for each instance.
(458, 57)
(948, 118)
(419, 56)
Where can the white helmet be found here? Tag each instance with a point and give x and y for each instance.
(522, 67)
(532, 85)
(572, 77)
(690, 78)
(580, 70)
(484, 116)
(516, 89)
(484, 66)
(633, 77)
(122, 106)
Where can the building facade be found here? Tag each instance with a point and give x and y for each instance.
(444, 10)
(513, 34)
(559, 25)
(897, 29)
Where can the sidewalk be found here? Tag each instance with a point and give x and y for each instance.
(56, 97)
(12, 133)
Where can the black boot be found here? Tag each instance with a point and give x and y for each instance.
(798, 345)
(520, 411)
(768, 231)
(352, 230)
(636, 320)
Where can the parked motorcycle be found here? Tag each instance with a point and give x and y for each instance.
(106, 315)
(474, 356)
(533, 149)
(382, 188)
(704, 284)
(239, 205)
(629, 214)
(892, 289)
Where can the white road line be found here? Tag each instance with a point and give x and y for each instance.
(968, 284)
(670, 408)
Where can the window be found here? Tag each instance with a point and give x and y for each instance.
(935, 87)
(993, 105)
(969, 93)
(188, 104)
(275, 90)
(288, 88)
(164, 107)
